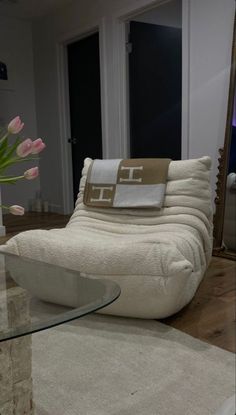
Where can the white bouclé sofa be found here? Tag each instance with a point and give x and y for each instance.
(158, 257)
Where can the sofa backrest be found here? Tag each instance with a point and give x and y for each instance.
(188, 187)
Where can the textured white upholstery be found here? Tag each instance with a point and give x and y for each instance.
(158, 257)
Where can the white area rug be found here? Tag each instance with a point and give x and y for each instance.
(101, 365)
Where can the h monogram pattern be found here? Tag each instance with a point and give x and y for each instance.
(131, 171)
(126, 183)
(101, 190)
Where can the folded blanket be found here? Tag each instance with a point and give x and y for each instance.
(130, 183)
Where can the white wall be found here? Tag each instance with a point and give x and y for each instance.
(211, 28)
(211, 35)
(17, 97)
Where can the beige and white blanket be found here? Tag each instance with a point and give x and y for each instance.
(130, 183)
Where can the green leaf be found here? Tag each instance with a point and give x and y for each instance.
(12, 148)
(10, 179)
(3, 147)
(15, 160)
(4, 137)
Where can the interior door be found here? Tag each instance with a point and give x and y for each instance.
(155, 90)
(85, 103)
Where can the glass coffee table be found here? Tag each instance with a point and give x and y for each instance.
(29, 290)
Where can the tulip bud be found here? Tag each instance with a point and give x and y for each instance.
(38, 146)
(24, 148)
(31, 173)
(15, 125)
(16, 210)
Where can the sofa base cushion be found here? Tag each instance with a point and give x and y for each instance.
(155, 277)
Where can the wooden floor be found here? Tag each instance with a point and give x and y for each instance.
(16, 224)
(211, 314)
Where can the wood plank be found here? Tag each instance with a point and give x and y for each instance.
(33, 220)
(211, 314)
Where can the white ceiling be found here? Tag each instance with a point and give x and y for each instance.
(30, 9)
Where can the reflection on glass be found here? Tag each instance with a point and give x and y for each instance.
(229, 234)
(33, 285)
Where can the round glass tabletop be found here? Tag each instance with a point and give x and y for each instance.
(35, 295)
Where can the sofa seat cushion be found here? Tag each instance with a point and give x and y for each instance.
(158, 268)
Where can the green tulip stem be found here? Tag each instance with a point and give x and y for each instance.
(4, 137)
(11, 179)
(4, 207)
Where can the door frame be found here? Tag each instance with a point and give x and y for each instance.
(114, 107)
(120, 21)
(64, 106)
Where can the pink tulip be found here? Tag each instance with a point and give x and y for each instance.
(24, 148)
(15, 125)
(16, 210)
(38, 146)
(31, 173)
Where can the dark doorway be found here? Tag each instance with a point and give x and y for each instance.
(85, 103)
(155, 79)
